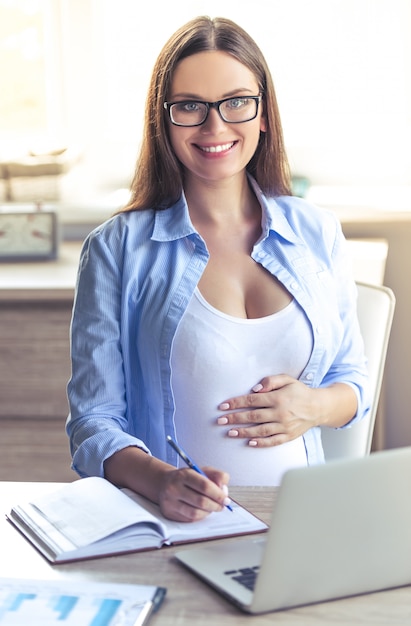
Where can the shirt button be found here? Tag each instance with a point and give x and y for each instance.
(294, 285)
(309, 376)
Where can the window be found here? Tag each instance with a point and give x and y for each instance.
(30, 103)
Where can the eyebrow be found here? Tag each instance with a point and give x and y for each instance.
(233, 93)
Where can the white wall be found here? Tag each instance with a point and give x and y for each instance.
(342, 70)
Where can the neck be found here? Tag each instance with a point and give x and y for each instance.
(220, 202)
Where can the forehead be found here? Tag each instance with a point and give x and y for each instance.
(212, 74)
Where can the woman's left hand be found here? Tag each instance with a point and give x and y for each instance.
(279, 409)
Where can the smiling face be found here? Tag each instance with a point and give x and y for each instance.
(216, 150)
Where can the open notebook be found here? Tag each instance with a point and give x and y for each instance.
(339, 529)
(91, 518)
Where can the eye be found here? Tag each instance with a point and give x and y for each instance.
(238, 103)
(187, 107)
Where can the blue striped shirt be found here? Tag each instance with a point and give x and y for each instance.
(137, 273)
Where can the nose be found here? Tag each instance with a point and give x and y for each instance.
(214, 122)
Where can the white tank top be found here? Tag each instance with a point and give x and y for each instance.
(216, 356)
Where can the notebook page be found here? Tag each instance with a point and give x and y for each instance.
(90, 509)
(216, 524)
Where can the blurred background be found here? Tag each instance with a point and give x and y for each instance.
(74, 75)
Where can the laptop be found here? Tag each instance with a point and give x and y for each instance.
(337, 530)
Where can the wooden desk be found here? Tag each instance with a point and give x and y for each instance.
(189, 601)
(42, 281)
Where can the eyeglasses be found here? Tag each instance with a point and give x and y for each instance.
(195, 112)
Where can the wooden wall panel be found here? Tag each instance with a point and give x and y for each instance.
(34, 358)
(35, 449)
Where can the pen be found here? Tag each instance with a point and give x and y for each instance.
(183, 455)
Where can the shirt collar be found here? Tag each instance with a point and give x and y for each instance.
(273, 216)
(175, 223)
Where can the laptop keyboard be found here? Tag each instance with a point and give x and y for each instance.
(245, 576)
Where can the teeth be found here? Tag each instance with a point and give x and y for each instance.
(224, 146)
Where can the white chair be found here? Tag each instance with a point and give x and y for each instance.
(369, 259)
(376, 306)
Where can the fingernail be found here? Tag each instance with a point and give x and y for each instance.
(222, 420)
(227, 501)
(257, 387)
(233, 433)
(225, 489)
(252, 443)
(224, 406)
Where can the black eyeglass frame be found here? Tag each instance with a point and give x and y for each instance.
(212, 105)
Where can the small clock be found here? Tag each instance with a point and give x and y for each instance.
(28, 235)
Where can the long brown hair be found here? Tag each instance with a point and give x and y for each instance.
(158, 178)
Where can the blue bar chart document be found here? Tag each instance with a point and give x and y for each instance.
(67, 603)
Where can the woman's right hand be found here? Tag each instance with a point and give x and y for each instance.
(187, 496)
(183, 494)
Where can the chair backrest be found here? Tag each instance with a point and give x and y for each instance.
(375, 306)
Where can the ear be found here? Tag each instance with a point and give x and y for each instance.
(263, 123)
